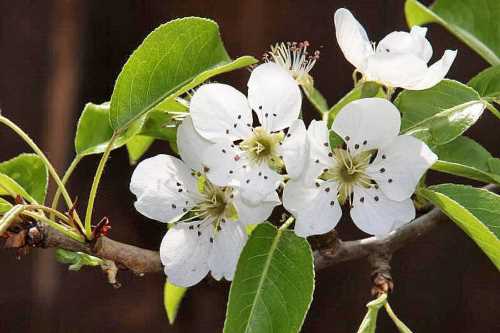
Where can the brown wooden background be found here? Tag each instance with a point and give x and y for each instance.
(55, 55)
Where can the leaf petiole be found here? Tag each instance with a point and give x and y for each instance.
(95, 184)
(39, 152)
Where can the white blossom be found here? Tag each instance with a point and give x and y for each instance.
(241, 155)
(375, 172)
(207, 230)
(398, 60)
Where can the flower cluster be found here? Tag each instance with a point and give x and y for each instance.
(238, 153)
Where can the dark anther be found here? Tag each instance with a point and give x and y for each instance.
(211, 240)
(191, 227)
(174, 206)
(266, 115)
(265, 177)
(230, 172)
(227, 131)
(356, 146)
(365, 142)
(383, 157)
(390, 180)
(327, 189)
(325, 144)
(179, 190)
(248, 181)
(239, 116)
(382, 170)
(260, 107)
(330, 154)
(362, 199)
(376, 198)
(223, 151)
(332, 203)
(317, 161)
(347, 138)
(199, 233)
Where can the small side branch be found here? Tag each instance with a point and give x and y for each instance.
(125, 256)
(358, 249)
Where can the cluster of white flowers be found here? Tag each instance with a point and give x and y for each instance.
(233, 168)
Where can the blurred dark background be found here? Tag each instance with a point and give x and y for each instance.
(56, 55)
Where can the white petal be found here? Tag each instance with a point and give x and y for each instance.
(352, 38)
(407, 43)
(190, 144)
(257, 182)
(376, 214)
(294, 148)
(249, 213)
(399, 166)
(319, 157)
(220, 112)
(275, 96)
(316, 210)
(228, 243)
(367, 123)
(435, 73)
(394, 69)
(184, 252)
(165, 188)
(223, 162)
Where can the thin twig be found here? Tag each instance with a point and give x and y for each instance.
(142, 261)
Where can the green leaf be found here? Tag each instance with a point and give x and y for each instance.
(362, 90)
(175, 57)
(444, 111)
(76, 260)
(475, 22)
(137, 146)
(315, 97)
(94, 132)
(369, 323)
(29, 172)
(273, 285)
(466, 158)
(487, 82)
(494, 165)
(172, 298)
(475, 211)
(5, 206)
(8, 186)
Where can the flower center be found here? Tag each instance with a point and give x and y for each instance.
(215, 207)
(348, 171)
(217, 203)
(262, 147)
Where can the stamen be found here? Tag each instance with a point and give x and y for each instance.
(294, 57)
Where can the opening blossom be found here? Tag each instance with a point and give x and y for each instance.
(207, 222)
(295, 58)
(376, 173)
(399, 59)
(241, 155)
